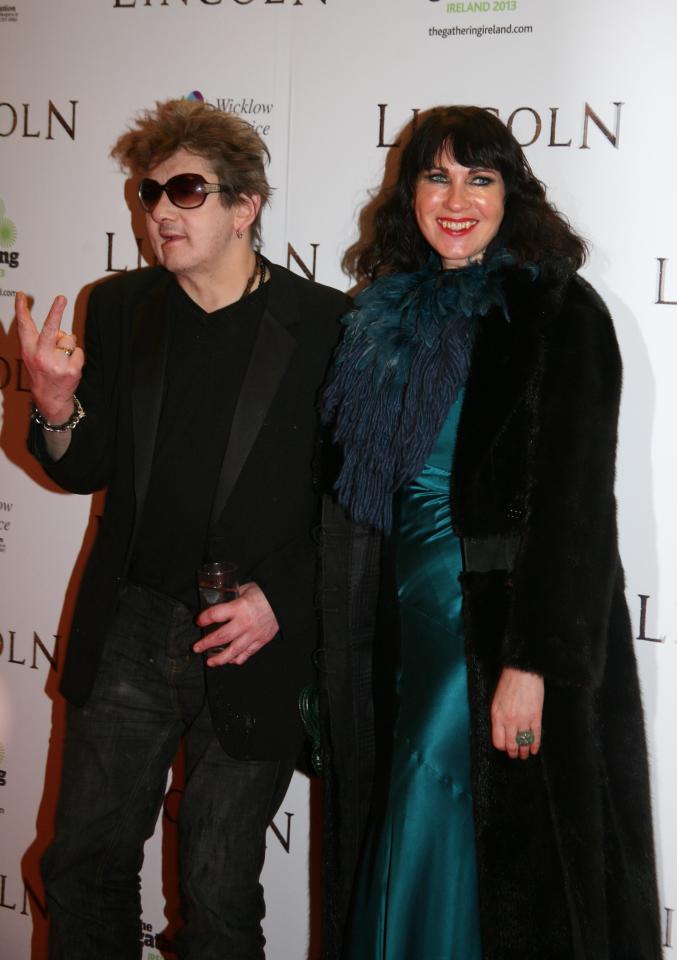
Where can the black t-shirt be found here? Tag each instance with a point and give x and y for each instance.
(207, 360)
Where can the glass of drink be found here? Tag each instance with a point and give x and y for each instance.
(217, 582)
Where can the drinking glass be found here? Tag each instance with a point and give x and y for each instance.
(217, 582)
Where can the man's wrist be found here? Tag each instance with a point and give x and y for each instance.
(53, 409)
(63, 420)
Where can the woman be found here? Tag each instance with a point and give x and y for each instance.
(475, 398)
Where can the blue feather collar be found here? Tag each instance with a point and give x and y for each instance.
(403, 359)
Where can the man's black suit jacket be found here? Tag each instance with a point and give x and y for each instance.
(266, 490)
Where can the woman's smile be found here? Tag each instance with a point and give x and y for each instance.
(457, 227)
(459, 210)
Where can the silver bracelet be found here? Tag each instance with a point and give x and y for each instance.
(76, 416)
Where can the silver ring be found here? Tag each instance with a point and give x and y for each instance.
(66, 350)
(524, 738)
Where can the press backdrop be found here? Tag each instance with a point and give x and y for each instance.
(588, 88)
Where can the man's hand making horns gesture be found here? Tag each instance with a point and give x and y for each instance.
(54, 363)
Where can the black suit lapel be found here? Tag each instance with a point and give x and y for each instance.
(270, 358)
(149, 352)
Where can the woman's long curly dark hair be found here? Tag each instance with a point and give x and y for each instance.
(532, 229)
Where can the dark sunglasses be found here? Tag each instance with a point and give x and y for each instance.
(186, 190)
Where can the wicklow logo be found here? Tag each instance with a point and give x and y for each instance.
(257, 113)
(8, 257)
(5, 508)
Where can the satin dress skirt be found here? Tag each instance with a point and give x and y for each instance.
(416, 893)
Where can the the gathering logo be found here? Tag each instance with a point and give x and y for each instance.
(470, 18)
(3, 772)
(8, 257)
(8, 13)
(156, 941)
(480, 6)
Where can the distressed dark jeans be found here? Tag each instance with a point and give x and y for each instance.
(149, 693)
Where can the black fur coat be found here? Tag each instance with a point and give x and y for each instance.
(564, 840)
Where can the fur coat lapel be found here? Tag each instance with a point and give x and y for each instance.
(505, 357)
(500, 400)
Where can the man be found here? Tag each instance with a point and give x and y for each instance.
(195, 406)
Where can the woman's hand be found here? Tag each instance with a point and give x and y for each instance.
(517, 706)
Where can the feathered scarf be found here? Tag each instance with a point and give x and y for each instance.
(403, 359)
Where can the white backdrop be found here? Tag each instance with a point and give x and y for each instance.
(590, 89)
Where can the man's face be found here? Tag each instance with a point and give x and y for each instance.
(195, 244)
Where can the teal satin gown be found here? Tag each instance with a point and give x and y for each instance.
(416, 894)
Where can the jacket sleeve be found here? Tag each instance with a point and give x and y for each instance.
(87, 464)
(567, 564)
(287, 577)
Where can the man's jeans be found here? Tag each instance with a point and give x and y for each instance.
(119, 747)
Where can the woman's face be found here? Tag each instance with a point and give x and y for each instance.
(459, 209)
